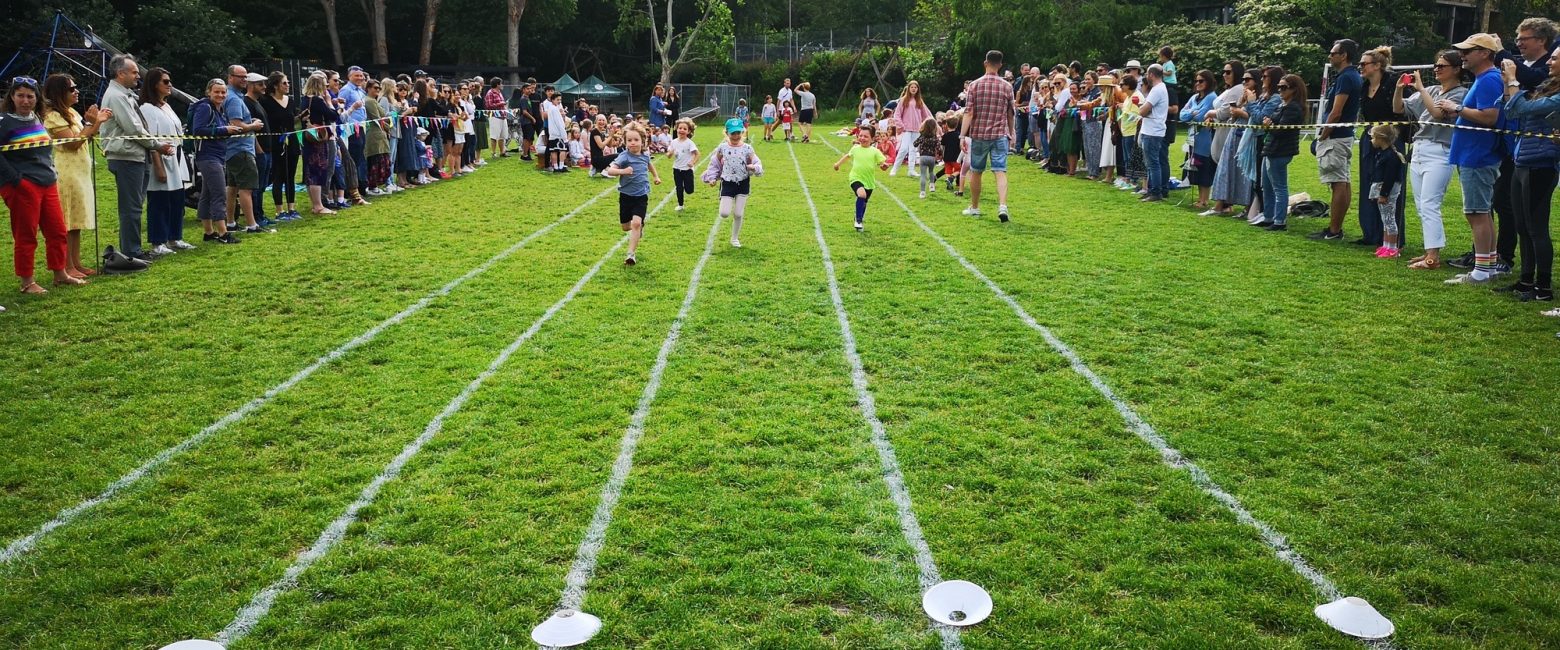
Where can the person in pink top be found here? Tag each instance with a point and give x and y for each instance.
(908, 116)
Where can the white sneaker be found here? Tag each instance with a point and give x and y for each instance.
(1257, 218)
(679, 208)
(467, 169)
(1468, 278)
(183, 245)
(893, 172)
(374, 191)
(1553, 313)
(971, 212)
(933, 189)
(162, 249)
(736, 244)
(923, 194)
(1208, 213)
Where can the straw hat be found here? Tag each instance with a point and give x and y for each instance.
(1106, 80)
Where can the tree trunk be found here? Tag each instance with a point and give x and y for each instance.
(335, 35)
(516, 10)
(374, 10)
(430, 20)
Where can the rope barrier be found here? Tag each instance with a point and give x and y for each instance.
(344, 128)
(1099, 112)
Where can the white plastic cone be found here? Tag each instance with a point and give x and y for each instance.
(956, 602)
(194, 644)
(1355, 617)
(566, 628)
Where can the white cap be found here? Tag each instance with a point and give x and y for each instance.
(1133, 64)
(253, 78)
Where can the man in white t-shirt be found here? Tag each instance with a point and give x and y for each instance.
(1151, 134)
(785, 94)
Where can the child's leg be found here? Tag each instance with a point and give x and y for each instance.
(636, 231)
(861, 203)
(1389, 226)
(736, 216)
(727, 206)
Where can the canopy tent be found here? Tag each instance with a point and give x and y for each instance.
(565, 83)
(594, 87)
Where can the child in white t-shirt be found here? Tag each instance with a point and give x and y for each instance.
(684, 154)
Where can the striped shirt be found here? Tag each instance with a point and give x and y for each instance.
(991, 108)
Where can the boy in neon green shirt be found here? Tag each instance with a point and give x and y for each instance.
(865, 160)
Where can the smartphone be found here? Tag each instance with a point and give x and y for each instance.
(1407, 79)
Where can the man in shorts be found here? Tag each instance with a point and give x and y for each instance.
(243, 174)
(1335, 146)
(1477, 154)
(988, 123)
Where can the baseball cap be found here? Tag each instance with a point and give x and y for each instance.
(735, 125)
(252, 78)
(1489, 42)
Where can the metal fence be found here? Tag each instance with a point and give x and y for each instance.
(718, 100)
(794, 44)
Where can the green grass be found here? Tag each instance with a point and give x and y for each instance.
(1400, 432)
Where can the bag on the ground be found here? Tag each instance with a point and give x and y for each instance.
(1308, 209)
(117, 262)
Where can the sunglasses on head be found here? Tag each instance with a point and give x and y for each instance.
(24, 81)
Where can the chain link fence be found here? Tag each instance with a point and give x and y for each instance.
(795, 44)
(714, 101)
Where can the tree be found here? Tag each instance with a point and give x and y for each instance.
(1263, 34)
(192, 39)
(707, 39)
(516, 10)
(335, 34)
(375, 11)
(430, 19)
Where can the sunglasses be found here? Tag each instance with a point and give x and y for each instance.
(25, 81)
(167, 82)
(1438, 66)
(1229, 72)
(1283, 86)
(71, 89)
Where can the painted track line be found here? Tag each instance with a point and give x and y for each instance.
(22, 545)
(892, 475)
(257, 608)
(1169, 454)
(584, 565)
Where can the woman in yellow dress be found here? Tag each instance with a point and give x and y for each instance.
(72, 162)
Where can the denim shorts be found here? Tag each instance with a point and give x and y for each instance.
(996, 149)
(1478, 187)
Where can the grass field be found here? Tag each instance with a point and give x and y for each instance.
(1398, 432)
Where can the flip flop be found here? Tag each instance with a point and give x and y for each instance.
(1425, 265)
(33, 288)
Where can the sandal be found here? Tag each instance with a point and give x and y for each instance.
(33, 288)
(70, 280)
(1423, 264)
(1416, 259)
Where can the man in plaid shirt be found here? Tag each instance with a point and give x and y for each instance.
(988, 123)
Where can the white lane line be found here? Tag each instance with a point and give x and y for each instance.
(1169, 454)
(584, 565)
(22, 545)
(908, 524)
(257, 608)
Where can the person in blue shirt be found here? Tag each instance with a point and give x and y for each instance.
(658, 110)
(1197, 108)
(353, 96)
(1534, 180)
(1478, 154)
(1335, 146)
(243, 173)
(634, 172)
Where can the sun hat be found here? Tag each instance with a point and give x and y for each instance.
(1489, 42)
(735, 125)
(1106, 80)
(1133, 65)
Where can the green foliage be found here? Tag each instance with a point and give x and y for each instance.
(194, 40)
(1201, 45)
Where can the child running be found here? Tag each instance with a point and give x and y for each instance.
(737, 163)
(864, 157)
(926, 146)
(1389, 168)
(634, 172)
(684, 154)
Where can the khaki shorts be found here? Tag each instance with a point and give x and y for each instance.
(1332, 159)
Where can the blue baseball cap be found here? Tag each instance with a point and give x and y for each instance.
(735, 125)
